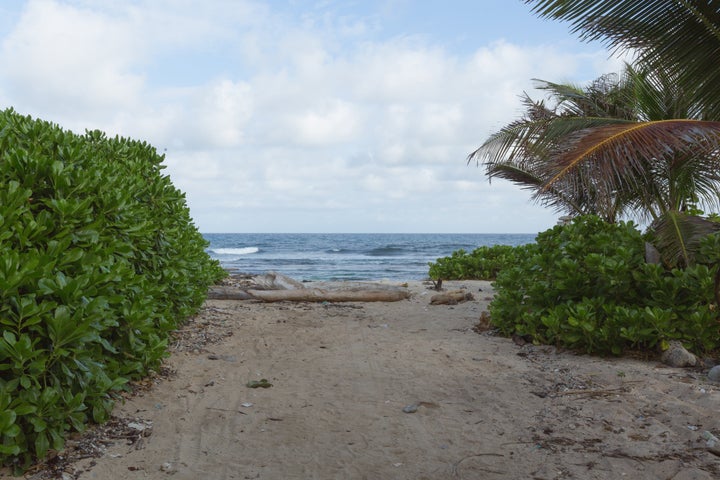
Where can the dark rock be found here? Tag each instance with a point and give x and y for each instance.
(677, 356)
(714, 374)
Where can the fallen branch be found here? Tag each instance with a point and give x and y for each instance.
(318, 295)
(228, 293)
(594, 393)
(309, 295)
(451, 298)
(456, 465)
(275, 287)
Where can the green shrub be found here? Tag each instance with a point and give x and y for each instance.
(483, 263)
(99, 261)
(586, 286)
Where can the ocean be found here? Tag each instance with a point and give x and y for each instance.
(346, 256)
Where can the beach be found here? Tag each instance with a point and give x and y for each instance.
(395, 390)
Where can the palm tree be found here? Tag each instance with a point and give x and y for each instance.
(657, 165)
(521, 150)
(582, 155)
(623, 147)
(666, 153)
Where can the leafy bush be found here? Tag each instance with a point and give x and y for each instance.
(586, 286)
(483, 263)
(99, 261)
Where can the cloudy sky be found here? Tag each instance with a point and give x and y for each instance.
(301, 115)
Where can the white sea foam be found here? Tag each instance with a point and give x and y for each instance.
(236, 251)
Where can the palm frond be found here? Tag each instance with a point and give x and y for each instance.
(607, 96)
(515, 140)
(527, 180)
(515, 174)
(659, 95)
(678, 235)
(680, 35)
(620, 154)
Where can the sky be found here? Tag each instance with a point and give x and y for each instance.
(302, 116)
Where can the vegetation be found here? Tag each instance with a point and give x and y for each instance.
(644, 145)
(483, 263)
(586, 286)
(99, 261)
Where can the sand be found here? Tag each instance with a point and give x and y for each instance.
(342, 375)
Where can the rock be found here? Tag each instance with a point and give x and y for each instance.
(710, 439)
(412, 408)
(707, 363)
(714, 374)
(677, 356)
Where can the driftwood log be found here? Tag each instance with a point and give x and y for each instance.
(275, 287)
(228, 293)
(309, 295)
(318, 295)
(451, 298)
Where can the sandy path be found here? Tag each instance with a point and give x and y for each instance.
(342, 374)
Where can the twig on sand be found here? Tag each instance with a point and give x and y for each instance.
(227, 410)
(456, 465)
(595, 393)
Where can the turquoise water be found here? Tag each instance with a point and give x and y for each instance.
(347, 256)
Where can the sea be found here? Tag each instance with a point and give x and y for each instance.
(345, 256)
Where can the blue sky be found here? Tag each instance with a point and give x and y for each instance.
(301, 116)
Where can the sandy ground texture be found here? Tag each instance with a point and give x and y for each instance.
(403, 390)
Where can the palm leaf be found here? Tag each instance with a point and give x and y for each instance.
(529, 181)
(626, 157)
(678, 236)
(514, 141)
(680, 35)
(515, 174)
(607, 96)
(659, 95)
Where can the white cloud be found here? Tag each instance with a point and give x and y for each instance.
(276, 114)
(60, 58)
(330, 122)
(221, 111)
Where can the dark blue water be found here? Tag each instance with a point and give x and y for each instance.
(347, 256)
